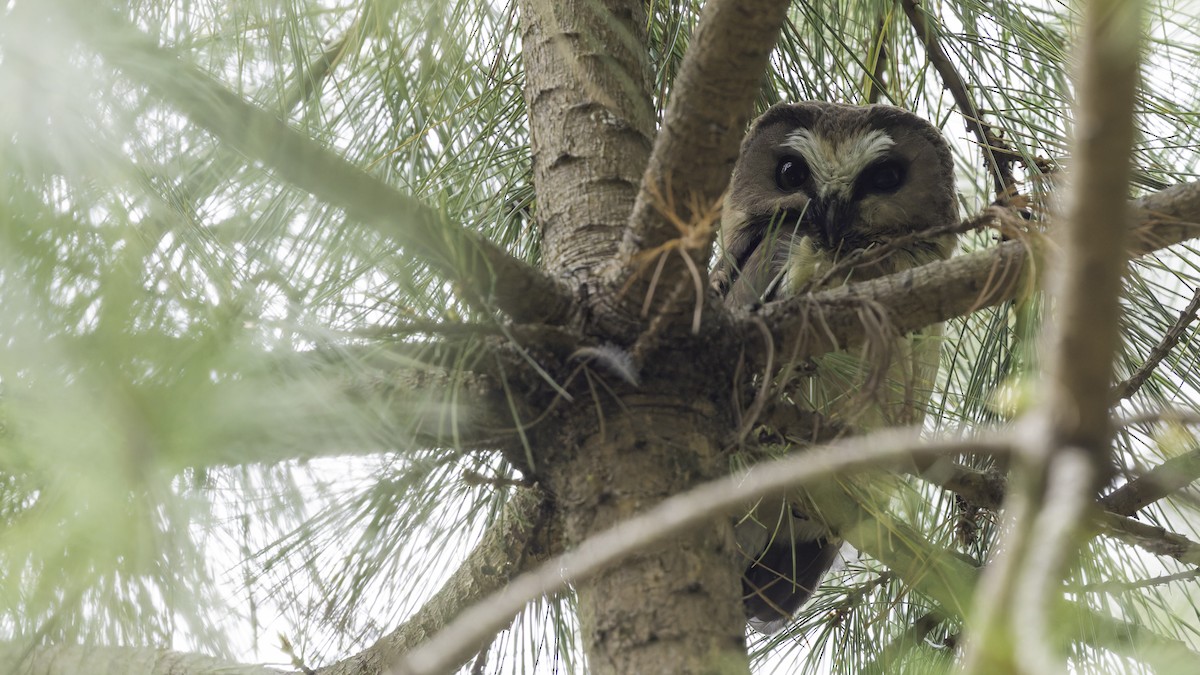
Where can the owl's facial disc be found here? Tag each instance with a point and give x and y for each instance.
(836, 176)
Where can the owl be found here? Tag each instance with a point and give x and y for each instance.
(814, 183)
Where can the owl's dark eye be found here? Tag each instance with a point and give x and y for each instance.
(791, 174)
(886, 176)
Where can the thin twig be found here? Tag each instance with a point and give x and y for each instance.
(876, 75)
(1126, 586)
(476, 479)
(764, 387)
(1152, 538)
(979, 487)
(914, 635)
(1172, 337)
(848, 604)
(1158, 483)
(875, 253)
(285, 646)
(998, 155)
(1170, 416)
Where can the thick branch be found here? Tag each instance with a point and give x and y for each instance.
(591, 123)
(485, 273)
(811, 325)
(890, 656)
(1084, 334)
(1067, 436)
(520, 540)
(711, 102)
(674, 223)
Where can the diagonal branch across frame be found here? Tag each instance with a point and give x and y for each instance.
(487, 275)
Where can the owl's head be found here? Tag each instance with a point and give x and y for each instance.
(815, 181)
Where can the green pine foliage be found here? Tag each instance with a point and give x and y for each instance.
(198, 445)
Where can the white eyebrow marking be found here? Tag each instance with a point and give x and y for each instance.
(835, 165)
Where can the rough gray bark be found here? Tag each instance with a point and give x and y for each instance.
(591, 125)
(710, 105)
(674, 607)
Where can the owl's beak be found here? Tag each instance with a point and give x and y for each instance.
(829, 218)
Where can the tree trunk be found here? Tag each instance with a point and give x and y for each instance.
(674, 608)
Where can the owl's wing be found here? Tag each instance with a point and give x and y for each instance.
(787, 554)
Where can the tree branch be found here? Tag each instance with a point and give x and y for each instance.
(1067, 437)
(711, 102)
(1084, 333)
(981, 488)
(1152, 538)
(1172, 337)
(591, 123)
(671, 517)
(219, 164)
(890, 656)
(1160, 482)
(997, 155)
(485, 273)
(522, 538)
(675, 219)
(987, 489)
(1052, 548)
(876, 72)
(815, 324)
